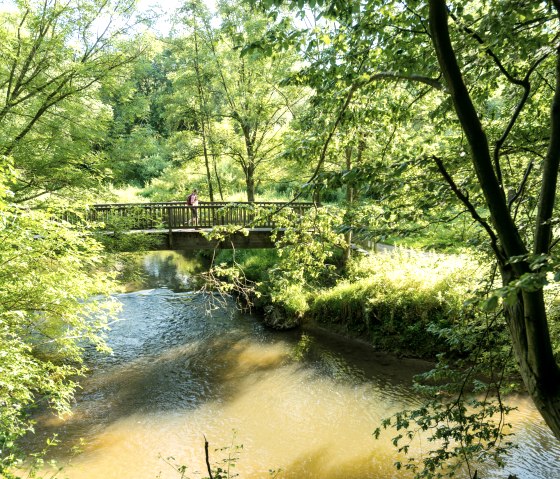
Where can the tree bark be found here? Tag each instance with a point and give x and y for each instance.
(250, 183)
(251, 166)
(203, 110)
(526, 319)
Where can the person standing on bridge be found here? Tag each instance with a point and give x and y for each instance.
(192, 201)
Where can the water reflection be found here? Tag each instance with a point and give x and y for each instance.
(303, 402)
(166, 269)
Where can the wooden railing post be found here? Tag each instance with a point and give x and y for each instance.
(170, 227)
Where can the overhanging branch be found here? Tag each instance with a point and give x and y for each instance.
(470, 207)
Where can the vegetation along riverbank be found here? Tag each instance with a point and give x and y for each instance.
(433, 124)
(410, 303)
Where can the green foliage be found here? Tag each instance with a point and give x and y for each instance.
(137, 146)
(404, 77)
(455, 236)
(255, 263)
(175, 183)
(306, 245)
(49, 273)
(53, 124)
(225, 107)
(49, 270)
(221, 108)
(393, 298)
(293, 299)
(114, 233)
(54, 58)
(139, 157)
(463, 433)
(462, 415)
(415, 303)
(287, 276)
(554, 315)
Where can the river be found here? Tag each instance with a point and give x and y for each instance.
(302, 403)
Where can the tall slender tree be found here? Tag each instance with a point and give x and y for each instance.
(193, 103)
(241, 93)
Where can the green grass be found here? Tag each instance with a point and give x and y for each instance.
(454, 237)
(392, 299)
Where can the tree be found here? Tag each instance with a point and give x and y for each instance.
(194, 102)
(54, 56)
(48, 271)
(255, 102)
(494, 64)
(222, 87)
(524, 309)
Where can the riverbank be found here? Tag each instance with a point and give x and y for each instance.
(422, 307)
(397, 301)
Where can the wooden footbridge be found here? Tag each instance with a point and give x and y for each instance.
(178, 226)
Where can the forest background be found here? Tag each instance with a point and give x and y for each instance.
(434, 122)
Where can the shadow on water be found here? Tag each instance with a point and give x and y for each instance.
(305, 401)
(178, 364)
(169, 357)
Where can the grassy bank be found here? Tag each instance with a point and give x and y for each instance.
(396, 301)
(393, 300)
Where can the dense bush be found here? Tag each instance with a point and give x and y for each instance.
(391, 299)
(255, 263)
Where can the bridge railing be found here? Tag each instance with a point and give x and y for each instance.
(177, 214)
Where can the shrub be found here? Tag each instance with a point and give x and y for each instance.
(255, 263)
(393, 298)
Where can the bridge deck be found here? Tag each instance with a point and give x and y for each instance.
(172, 222)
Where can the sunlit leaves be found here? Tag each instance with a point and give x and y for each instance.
(49, 271)
(54, 57)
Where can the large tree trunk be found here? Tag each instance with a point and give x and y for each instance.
(250, 167)
(526, 319)
(250, 183)
(532, 350)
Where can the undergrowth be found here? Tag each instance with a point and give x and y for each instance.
(391, 299)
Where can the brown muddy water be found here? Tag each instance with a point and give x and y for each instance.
(302, 403)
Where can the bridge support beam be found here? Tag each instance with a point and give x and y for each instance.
(193, 240)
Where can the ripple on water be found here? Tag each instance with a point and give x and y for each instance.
(306, 403)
